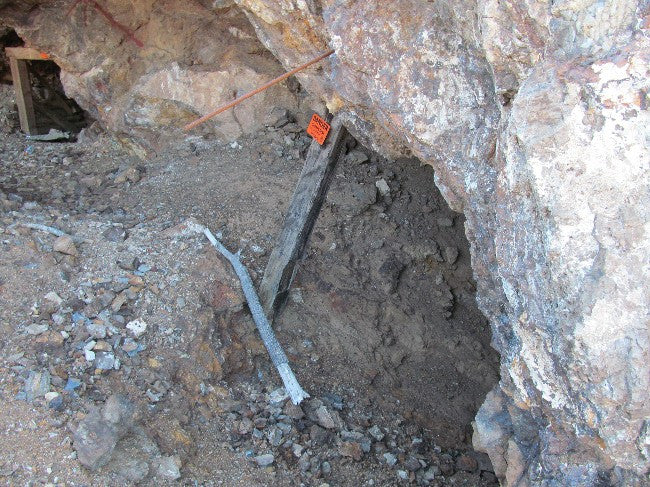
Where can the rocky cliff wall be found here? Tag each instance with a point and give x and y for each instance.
(534, 116)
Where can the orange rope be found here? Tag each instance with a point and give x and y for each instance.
(237, 101)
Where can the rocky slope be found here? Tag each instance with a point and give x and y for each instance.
(534, 117)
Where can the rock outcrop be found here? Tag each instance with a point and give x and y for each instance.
(194, 58)
(534, 116)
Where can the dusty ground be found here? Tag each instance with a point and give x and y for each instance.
(381, 325)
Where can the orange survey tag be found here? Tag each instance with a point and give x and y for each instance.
(318, 129)
(44, 55)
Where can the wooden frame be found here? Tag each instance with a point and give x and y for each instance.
(18, 57)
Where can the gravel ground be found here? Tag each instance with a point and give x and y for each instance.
(128, 354)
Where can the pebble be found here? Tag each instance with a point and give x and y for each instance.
(137, 327)
(65, 245)
(36, 329)
(130, 174)
(376, 433)
(451, 254)
(351, 449)
(114, 234)
(356, 156)
(54, 400)
(104, 360)
(264, 460)
(169, 467)
(382, 186)
(37, 384)
(390, 459)
(325, 418)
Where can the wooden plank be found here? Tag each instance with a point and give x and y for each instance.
(24, 101)
(305, 205)
(26, 53)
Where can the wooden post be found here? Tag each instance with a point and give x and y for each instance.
(306, 203)
(24, 101)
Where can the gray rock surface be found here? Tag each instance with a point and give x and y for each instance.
(535, 119)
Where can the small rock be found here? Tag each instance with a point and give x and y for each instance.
(94, 440)
(351, 449)
(245, 426)
(54, 400)
(403, 474)
(50, 339)
(114, 234)
(137, 327)
(356, 156)
(264, 460)
(130, 174)
(390, 459)
(37, 384)
(169, 467)
(318, 435)
(119, 301)
(54, 298)
(278, 396)
(327, 419)
(96, 330)
(412, 464)
(383, 188)
(293, 411)
(376, 433)
(104, 360)
(431, 473)
(36, 329)
(65, 245)
(451, 254)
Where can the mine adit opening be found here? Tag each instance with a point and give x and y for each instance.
(386, 287)
(52, 108)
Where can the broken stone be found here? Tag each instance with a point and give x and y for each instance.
(383, 187)
(264, 460)
(104, 360)
(130, 174)
(326, 418)
(356, 156)
(137, 327)
(97, 434)
(351, 449)
(451, 254)
(36, 329)
(37, 384)
(114, 234)
(169, 467)
(65, 245)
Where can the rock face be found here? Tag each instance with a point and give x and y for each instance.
(194, 58)
(534, 116)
